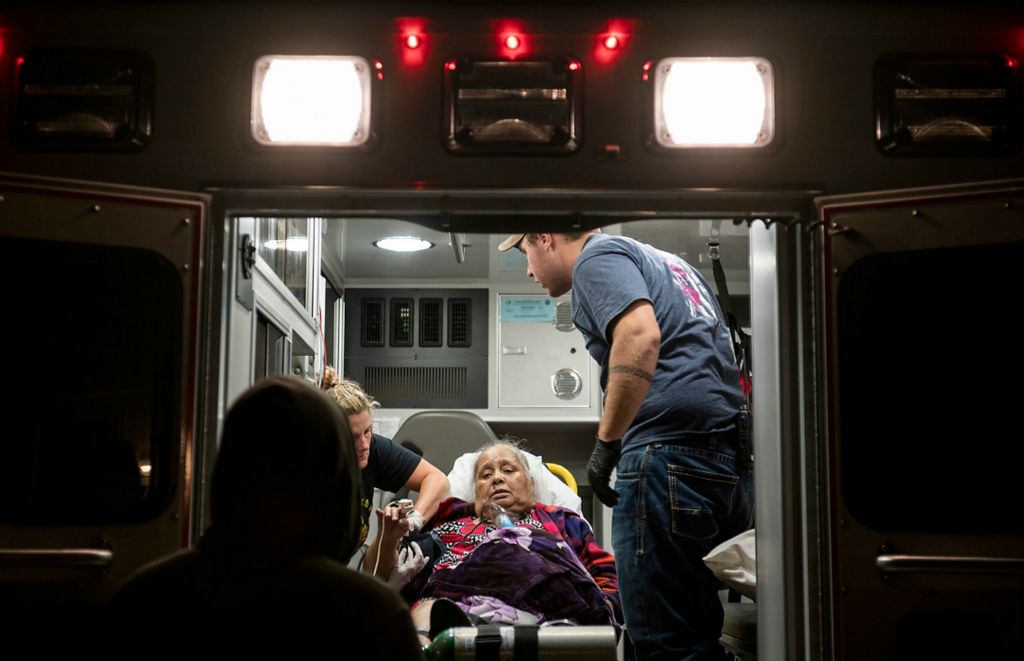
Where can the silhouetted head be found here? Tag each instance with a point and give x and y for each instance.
(286, 477)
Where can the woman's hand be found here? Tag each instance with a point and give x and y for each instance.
(392, 525)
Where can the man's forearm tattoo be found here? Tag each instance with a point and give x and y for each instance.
(631, 370)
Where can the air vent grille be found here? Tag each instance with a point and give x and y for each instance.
(431, 310)
(566, 383)
(460, 322)
(389, 384)
(563, 316)
(401, 322)
(406, 334)
(372, 332)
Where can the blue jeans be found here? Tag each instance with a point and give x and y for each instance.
(676, 503)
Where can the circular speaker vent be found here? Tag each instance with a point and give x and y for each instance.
(563, 316)
(566, 383)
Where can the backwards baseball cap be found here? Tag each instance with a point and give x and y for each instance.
(510, 242)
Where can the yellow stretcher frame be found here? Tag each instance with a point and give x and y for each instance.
(563, 473)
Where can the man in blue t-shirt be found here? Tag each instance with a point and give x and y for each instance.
(669, 426)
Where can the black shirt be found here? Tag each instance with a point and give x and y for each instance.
(389, 467)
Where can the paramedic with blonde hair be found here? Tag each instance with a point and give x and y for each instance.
(387, 466)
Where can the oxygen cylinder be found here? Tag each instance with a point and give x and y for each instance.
(492, 641)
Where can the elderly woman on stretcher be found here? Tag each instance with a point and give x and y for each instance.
(503, 559)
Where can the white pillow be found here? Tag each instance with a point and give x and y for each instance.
(734, 563)
(547, 488)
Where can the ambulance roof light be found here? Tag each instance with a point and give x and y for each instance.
(311, 101)
(714, 102)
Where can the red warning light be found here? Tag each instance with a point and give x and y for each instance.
(574, 66)
(450, 65)
(647, 68)
(1011, 61)
(613, 40)
(412, 32)
(513, 40)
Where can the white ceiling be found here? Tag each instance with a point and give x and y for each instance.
(687, 238)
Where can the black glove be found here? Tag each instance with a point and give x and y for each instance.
(599, 468)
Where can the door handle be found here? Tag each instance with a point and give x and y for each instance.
(84, 558)
(893, 563)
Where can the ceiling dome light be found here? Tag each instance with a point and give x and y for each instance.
(403, 244)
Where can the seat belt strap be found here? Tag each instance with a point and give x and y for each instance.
(720, 283)
(488, 642)
(526, 643)
(740, 340)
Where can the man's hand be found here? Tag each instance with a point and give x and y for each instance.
(599, 469)
(410, 561)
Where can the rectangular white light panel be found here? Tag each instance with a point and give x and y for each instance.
(311, 100)
(702, 102)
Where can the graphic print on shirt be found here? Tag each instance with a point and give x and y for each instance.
(364, 531)
(696, 296)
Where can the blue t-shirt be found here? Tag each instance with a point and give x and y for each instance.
(696, 387)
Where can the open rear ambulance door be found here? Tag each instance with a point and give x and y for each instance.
(921, 292)
(100, 339)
